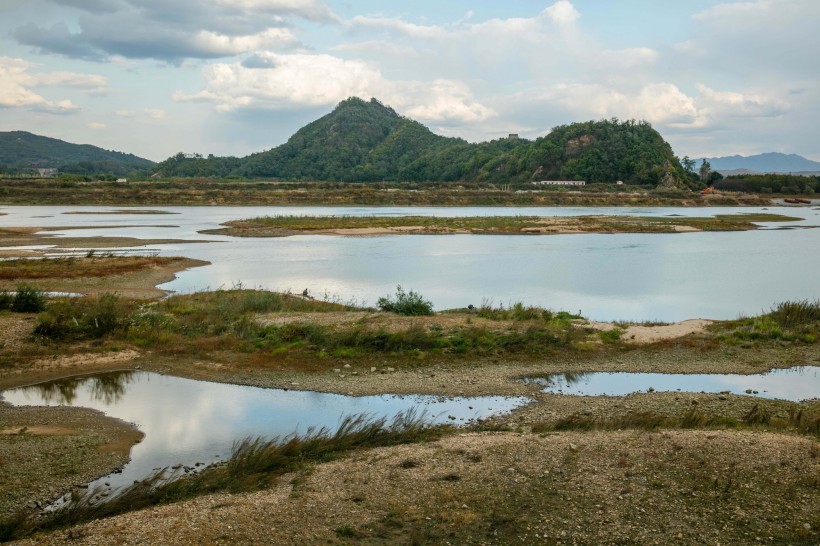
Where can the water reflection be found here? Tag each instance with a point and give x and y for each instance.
(106, 389)
(188, 422)
(797, 383)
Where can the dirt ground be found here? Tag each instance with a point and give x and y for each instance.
(676, 487)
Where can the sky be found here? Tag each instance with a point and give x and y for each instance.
(233, 77)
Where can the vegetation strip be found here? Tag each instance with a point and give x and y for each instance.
(273, 226)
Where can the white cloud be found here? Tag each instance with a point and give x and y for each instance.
(734, 104)
(126, 113)
(96, 126)
(17, 81)
(271, 81)
(562, 12)
(155, 113)
(664, 103)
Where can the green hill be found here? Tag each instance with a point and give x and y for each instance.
(367, 141)
(21, 151)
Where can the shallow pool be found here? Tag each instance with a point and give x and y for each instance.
(188, 422)
(797, 383)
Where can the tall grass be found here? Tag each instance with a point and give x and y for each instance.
(794, 314)
(786, 322)
(253, 465)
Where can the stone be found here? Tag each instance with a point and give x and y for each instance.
(337, 370)
(347, 366)
(373, 368)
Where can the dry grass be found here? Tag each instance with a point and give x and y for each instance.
(73, 267)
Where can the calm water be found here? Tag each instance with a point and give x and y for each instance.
(665, 277)
(187, 421)
(798, 383)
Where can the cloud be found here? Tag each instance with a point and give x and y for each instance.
(273, 81)
(765, 38)
(174, 30)
(17, 83)
(562, 12)
(96, 126)
(126, 113)
(735, 105)
(155, 113)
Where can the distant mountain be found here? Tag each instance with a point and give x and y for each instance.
(772, 162)
(21, 151)
(368, 141)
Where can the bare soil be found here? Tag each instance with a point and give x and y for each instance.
(682, 487)
(139, 283)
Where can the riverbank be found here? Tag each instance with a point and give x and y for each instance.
(267, 193)
(129, 276)
(726, 464)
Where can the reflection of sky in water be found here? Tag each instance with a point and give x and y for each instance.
(665, 277)
(798, 383)
(186, 421)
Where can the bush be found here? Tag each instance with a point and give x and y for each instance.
(410, 303)
(5, 299)
(28, 300)
(93, 317)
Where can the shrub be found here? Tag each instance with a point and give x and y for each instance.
(5, 299)
(405, 303)
(28, 300)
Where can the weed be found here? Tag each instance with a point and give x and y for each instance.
(405, 303)
(757, 415)
(346, 531)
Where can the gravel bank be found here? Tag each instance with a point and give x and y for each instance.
(682, 487)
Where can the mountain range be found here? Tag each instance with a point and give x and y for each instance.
(772, 162)
(366, 141)
(20, 150)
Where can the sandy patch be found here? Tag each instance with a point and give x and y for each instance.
(653, 334)
(686, 229)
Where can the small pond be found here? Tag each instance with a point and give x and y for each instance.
(795, 384)
(188, 422)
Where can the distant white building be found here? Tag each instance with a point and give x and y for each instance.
(122, 180)
(560, 183)
(47, 173)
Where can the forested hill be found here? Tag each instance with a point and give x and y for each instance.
(21, 151)
(368, 141)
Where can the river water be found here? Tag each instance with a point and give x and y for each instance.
(666, 277)
(188, 422)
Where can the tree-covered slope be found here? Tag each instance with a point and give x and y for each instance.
(368, 141)
(20, 150)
